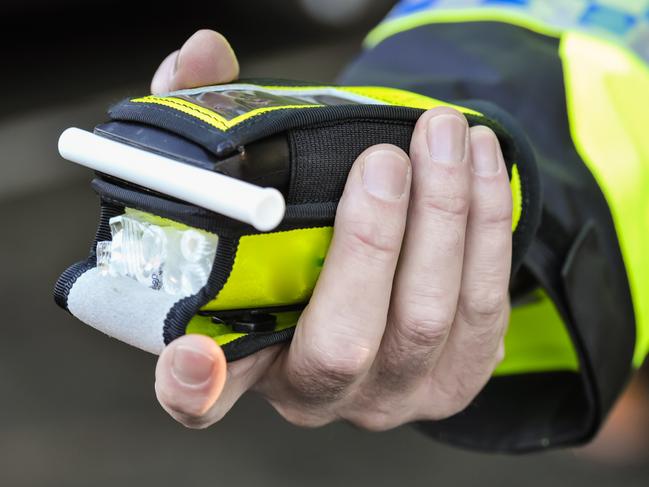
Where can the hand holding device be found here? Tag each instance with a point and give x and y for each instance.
(374, 330)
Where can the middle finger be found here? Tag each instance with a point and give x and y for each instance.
(428, 278)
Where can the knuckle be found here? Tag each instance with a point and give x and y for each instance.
(427, 328)
(448, 206)
(484, 305)
(398, 367)
(497, 209)
(371, 240)
(325, 377)
(424, 333)
(498, 213)
(493, 201)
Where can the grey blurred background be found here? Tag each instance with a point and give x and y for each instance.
(77, 408)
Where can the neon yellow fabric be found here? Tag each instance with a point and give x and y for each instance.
(272, 269)
(607, 91)
(536, 340)
(442, 16)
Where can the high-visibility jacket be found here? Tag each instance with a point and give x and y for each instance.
(574, 75)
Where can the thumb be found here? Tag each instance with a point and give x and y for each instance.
(206, 58)
(196, 386)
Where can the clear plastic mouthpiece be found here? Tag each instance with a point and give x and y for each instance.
(169, 257)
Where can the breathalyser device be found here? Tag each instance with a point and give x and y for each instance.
(218, 204)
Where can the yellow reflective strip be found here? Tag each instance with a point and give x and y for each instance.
(384, 94)
(394, 96)
(443, 16)
(272, 269)
(537, 340)
(208, 116)
(608, 106)
(517, 197)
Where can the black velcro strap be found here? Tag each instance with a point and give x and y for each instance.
(322, 155)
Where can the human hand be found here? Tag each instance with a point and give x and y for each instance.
(407, 319)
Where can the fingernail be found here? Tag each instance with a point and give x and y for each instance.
(447, 136)
(385, 174)
(485, 152)
(191, 367)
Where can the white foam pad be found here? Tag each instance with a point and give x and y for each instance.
(122, 308)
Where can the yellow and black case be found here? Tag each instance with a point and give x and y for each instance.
(298, 137)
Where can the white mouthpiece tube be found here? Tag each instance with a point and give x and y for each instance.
(262, 208)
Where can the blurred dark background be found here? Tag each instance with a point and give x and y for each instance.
(77, 408)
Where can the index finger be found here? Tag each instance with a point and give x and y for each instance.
(341, 329)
